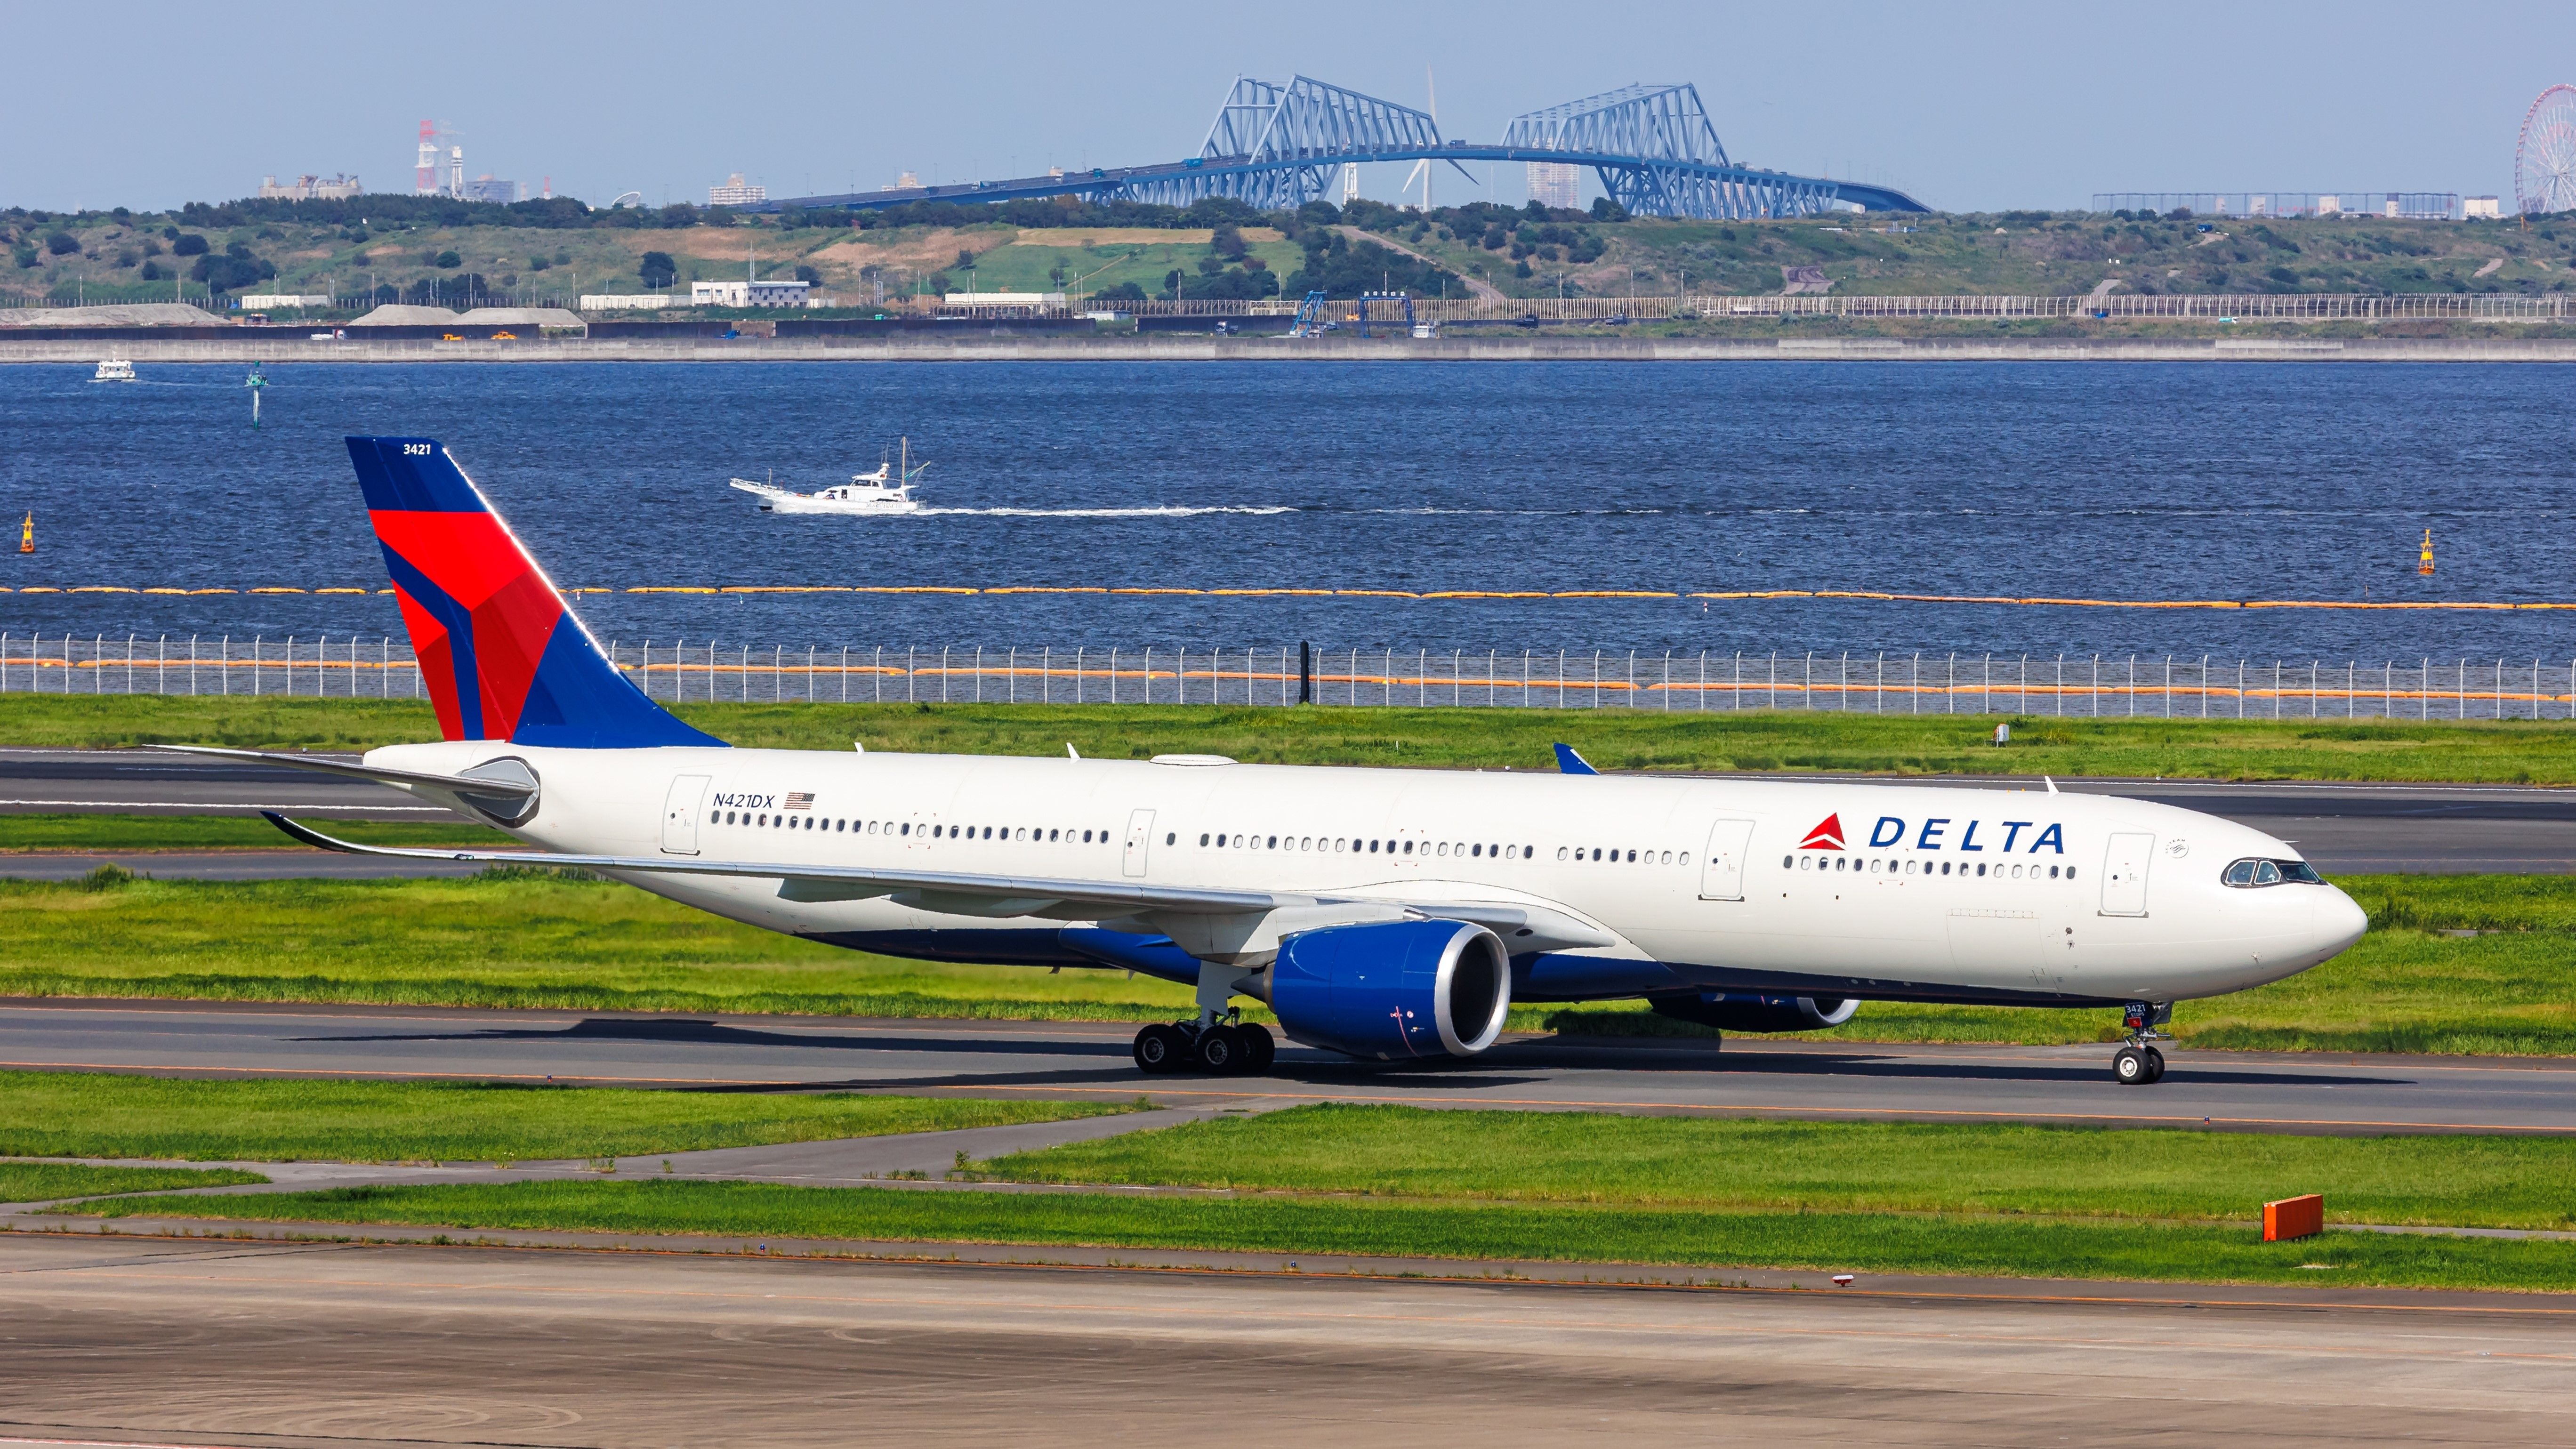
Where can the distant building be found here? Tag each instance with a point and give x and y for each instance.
(2411, 205)
(736, 192)
(270, 301)
(748, 294)
(988, 300)
(2488, 207)
(626, 301)
(1554, 184)
(488, 187)
(907, 182)
(310, 188)
(1797, 281)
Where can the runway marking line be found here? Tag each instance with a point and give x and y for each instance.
(2000, 1113)
(1803, 1294)
(954, 1028)
(231, 805)
(109, 1443)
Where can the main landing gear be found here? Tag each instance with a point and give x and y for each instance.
(2138, 1063)
(1227, 1047)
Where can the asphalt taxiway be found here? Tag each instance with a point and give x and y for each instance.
(128, 1341)
(2227, 1091)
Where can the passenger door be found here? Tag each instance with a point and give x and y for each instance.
(2124, 873)
(1722, 871)
(680, 815)
(1140, 841)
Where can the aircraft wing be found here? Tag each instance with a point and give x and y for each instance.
(463, 784)
(805, 882)
(1522, 927)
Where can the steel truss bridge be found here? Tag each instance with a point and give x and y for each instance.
(1277, 147)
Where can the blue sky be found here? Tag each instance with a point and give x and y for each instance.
(1965, 106)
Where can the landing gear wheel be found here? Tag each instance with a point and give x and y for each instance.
(1221, 1050)
(2129, 1065)
(1160, 1048)
(2155, 1065)
(1258, 1049)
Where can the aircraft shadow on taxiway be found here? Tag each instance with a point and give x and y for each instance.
(1505, 1066)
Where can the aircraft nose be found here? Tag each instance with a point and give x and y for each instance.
(2340, 922)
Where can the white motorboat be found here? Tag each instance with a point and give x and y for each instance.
(114, 369)
(886, 491)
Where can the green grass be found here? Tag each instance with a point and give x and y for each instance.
(541, 941)
(222, 832)
(508, 940)
(2520, 751)
(72, 1114)
(46, 1181)
(1753, 1165)
(1857, 1242)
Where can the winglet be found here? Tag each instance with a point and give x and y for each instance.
(1070, 752)
(1570, 763)
(302, 836)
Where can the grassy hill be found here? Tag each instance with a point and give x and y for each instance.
(261, 246)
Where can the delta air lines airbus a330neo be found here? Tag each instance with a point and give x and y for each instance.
(1384, 914)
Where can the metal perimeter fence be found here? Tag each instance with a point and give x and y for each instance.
(2154, 686)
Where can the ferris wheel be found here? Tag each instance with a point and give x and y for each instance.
(2544, 155)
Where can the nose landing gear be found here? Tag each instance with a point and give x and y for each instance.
(2138, 1063)
(1229, 1047)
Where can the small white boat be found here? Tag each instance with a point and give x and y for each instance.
(887, 491)
(114, 369)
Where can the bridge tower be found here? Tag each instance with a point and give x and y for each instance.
(1679, 168)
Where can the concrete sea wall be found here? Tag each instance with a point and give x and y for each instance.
(1004, 347)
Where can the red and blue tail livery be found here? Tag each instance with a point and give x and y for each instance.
(502, 658)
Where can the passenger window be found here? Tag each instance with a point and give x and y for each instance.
(1170, 836)
(1560, 852)
(1786, 861)
(2070, 872)
(1408, 847)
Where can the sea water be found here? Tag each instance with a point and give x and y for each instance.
(2126, 481)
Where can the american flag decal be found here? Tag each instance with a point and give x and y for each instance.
(802, 800)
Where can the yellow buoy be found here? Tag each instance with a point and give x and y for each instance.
(27, 535)
(2425, 565)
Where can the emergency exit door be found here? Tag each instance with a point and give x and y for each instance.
(680, 815)
(2124, 874)
(1140, 842)
(1721, 876)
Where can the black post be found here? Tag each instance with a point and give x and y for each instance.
(1305, 672)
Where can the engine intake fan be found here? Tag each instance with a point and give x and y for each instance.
(1394, 990)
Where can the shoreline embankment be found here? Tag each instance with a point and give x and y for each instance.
(1007, 347)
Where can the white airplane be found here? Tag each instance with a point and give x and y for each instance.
(1384, 914)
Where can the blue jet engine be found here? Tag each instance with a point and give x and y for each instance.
(1742, 1011)
(1394, 991)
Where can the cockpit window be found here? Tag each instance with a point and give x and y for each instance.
(2272, 872)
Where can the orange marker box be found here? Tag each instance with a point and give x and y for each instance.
(2294, 1217)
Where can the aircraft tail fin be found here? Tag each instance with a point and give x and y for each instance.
(1570, 763)
(500, 655)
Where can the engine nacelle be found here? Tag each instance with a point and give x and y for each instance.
(1394, 989)
(1739, 1011)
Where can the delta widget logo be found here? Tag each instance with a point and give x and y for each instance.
(1828, 834)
